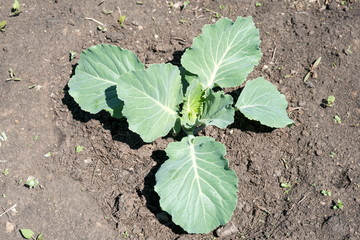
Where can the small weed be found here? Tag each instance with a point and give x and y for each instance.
(338, 205)
(337, 119)
(258, 4)
(222, 7)
(79, 148)
(186, 3)
(29, 234)
(31, 182)
(106, 12)
(15, 9)
(216, 14)
(332, 154)
(35, 86)
(125, 234)
(139, 2)
(5, 172)
(330, 101)
(35, 138)
(325, 192)
(12, 76)
(3, 137)
(182, 21)
(49, 154)
(343, 2)
(121, 20)
(72, 55)
(2, 25)
(102, 28)
(348, 51)
(287, 186)
(312, 70)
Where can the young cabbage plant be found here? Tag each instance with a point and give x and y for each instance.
(196, 186)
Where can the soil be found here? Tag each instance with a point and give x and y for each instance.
(106, 190)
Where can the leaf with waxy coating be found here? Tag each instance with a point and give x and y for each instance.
(261, 101)
(151, 99)
(225, 53)
(94, 84)
(196, 186)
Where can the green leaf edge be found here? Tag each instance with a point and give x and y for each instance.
(283, 108)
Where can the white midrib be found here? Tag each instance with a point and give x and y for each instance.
(216, 68)
(166, 108)
(196, 174)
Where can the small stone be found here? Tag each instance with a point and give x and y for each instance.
(115, 36)
(156, 36)
(135, 23)
(140, 27)
(87, 160)
(9, 227)
(143, 211)
(247, 208)
(318, 152)
(227, 230)
(137, 230)
(305, 133)
(301, 103)
(309, 84)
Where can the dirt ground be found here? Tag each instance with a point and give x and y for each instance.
(106, 190)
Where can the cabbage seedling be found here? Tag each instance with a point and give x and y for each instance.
(196, 186)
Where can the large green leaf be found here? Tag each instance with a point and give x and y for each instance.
(261, 101)
(217, 110)
(93, 85)
(225, 53)
(196, 186)
(151, 98)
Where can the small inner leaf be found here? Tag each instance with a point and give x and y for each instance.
(218, 110)
(192, 105)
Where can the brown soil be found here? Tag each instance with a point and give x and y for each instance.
(106, 191)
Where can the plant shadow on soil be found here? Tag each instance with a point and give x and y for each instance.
(153, 199)
(118, 128)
